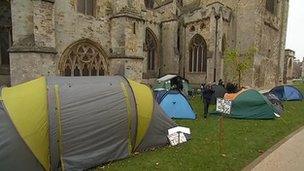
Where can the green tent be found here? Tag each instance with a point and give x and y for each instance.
(250, 104)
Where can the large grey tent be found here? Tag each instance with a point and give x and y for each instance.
(76, 123)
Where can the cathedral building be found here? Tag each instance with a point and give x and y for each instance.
(144, 39)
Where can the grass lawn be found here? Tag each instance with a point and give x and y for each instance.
(244, 141)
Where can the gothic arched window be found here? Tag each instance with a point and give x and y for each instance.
(83, 59)
(87, 7)
(151, 48)
(224, 44)
(290, 63)
(198, 54)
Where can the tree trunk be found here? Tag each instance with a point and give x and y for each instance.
(240, 79)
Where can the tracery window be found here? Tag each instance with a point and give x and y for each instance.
(151, 48)
(224, 44)
(83, 59)
(86, 7)
(198, 54)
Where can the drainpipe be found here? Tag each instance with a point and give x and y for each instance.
(217, 17)
(160, 51)
(178, 48)
(184, 48)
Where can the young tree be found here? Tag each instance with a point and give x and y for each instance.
(239, 63)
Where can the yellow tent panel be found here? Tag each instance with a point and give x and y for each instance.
(144, 105)
(26, 105)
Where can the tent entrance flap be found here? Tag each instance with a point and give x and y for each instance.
(93, 121)
(175, 105)
(128, 105)
(144, 103)
(59, 129)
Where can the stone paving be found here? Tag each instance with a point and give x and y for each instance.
(287, 155)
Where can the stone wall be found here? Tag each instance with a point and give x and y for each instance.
(130, 68)
(169, 46)
(202, 27)
(270, 39)
(44, 24)
(22, 19)
(289, 64)
(28, 66)
(53, 25)
(251, 26)
(297, 70)
(284, 20)
(213, 22)
(33, 50)
(72, 26)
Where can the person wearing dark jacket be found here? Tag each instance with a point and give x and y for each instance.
(221, 83)
(207, 95)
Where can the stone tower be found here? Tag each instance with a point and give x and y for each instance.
(34, 45)
(289, 64)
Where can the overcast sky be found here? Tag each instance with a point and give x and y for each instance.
(295, 29)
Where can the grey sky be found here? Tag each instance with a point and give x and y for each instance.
(295, 29)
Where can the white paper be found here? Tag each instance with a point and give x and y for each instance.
(223, 106)
(179, 129)
(177, 138)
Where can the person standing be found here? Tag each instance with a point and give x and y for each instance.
(207, 95)
(221, 83)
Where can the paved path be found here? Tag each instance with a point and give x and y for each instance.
(287, 155)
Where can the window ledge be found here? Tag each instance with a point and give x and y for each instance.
(86, 16)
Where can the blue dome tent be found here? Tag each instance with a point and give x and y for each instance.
(175, 104)
(287, 93)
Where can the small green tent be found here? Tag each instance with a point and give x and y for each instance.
(250, 104)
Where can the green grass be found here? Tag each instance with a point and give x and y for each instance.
(244, 141)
